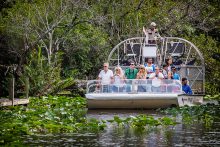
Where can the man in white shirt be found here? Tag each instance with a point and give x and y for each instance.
(157, 74)
(106, 77)
(156, 80)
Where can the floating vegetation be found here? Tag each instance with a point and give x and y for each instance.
(46, 115)
(142, 121)
(205, 114)
(214, 97)
(60, 114)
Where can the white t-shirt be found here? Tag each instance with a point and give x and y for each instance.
(160, 75)
(106, 77)
(118, 81)
(156, 82)
(149, 70)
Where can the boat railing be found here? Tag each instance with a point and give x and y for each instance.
(135, 86)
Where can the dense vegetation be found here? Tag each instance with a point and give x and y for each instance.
(54, 115)
(46, 115)
(53, 42)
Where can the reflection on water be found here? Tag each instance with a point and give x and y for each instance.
(180, 135)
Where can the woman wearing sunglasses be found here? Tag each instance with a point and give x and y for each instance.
(119, 80)
(141, 76)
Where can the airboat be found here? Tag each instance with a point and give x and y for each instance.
(186, 58)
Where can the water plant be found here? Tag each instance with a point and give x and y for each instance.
(205, 114)
(142, 121)
(212, 97)
(43, 115)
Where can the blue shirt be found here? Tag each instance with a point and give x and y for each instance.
(152, 66)
(187, 89)
(176, 76)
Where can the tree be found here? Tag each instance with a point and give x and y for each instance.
(87, 30)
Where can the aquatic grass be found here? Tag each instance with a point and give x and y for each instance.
(43, 115)
(142, 121)
(212, 97)
(205, 114)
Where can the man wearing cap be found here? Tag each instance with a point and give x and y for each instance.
(151, 33)
(186, 87)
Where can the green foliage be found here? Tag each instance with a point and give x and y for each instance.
(205, 114)
(45, 115)
(208, 48)
(44, 78)
(214, 97)
(86, 31)
(90, 47)
(142, 121)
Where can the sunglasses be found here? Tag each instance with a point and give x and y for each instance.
(131, 64)
(105, 66)
(142, 68)
(117, 69)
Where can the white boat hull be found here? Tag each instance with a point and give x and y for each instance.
(136, 100)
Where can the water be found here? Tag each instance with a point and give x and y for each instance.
(180, 135)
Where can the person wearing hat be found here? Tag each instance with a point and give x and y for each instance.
(151, 33)
(185, 87)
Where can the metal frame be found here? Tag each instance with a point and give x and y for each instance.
(163, 52)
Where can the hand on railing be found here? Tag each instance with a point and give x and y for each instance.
(98, 85)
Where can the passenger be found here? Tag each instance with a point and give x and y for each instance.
(141, 76)
(119, 80)
(106, 77)
(151, 34)
(130, 73)
(169, 62)
(186, 87)
(173, 85)
(157, 74)
(169, 82)
(165, 71)
(170, 76)
(156, 80)
(150, 67)
(176, 76)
